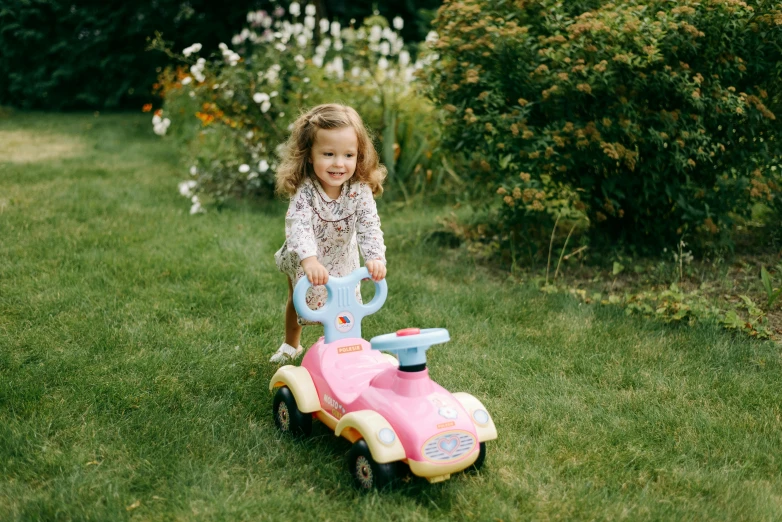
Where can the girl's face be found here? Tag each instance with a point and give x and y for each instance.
(333, 157)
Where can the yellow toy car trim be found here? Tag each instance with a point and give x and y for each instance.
(369, 424)
(484, 430)
(298, 380)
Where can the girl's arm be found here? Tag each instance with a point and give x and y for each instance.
(300, 237)
(369, 234)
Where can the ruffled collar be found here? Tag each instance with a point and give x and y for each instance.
(328, 209)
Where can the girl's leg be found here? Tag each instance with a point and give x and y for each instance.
(290, 349)
(292, 326)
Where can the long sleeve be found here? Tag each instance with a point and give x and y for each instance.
(368, 233)
(299, 234)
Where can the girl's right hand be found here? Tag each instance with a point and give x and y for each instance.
(315, 272)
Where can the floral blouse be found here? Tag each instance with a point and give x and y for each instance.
(334, 230)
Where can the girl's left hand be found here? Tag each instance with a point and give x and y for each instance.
(376, 269)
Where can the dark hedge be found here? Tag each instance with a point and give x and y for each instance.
(89, 54)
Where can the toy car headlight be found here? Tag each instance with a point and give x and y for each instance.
(386, 436)
(481, 417)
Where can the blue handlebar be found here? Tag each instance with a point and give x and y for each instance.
(410, 348)
(341, 314)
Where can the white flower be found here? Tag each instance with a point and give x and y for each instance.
(432, 37)
(295, 9)
(355, 72)
(193, 170)
(280, 47)
(273, 94)
(324, 25)
(310, 10)
(307, 80)
(244, 168)
(375, 33)
(301, 40)
(318, 60)
(249, 135)
(382, 63)
(404, 58)
(252, 175)
(335, 27)
(385, 48)
(263, 166)
(186, 80)
(160, 126)
(192, 49)
(222, 46)
(186, 187)
(260, 97)
(338, 45)
(299, 59)
(265, 106)
(398, 23)
(191, 94)
(196, 208)
(309, 22)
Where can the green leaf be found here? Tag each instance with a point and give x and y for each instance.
(618, 267)
(504, 161)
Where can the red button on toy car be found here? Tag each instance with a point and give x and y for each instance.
(408, 331)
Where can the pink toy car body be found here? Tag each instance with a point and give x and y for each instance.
(391, 410)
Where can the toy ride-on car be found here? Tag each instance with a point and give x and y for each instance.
(390, 409)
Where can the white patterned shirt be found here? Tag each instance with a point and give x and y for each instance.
(334, 230)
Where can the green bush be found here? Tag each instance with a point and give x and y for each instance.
(91, 55)
(231, 110)
(657, 118)
(80, 54)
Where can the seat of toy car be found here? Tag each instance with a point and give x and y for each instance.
(350, 367)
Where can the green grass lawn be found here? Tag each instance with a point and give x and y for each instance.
(134, 341)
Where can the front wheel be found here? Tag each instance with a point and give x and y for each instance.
(478, 464)
(287, 416)
(368, 474)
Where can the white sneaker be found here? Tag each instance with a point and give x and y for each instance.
(286, 353)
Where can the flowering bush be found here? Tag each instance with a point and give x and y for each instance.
(658, 117)
(234, 109)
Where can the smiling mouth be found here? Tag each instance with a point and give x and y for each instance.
(336, 174)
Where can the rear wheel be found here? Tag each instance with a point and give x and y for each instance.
(368, 474)
(287, 416)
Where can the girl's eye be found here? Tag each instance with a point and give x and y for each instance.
(328, 154)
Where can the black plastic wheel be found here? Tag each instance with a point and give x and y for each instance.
(368, 474)
(478, 464)
(287, 416)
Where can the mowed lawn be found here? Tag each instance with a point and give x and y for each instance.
(134, 346)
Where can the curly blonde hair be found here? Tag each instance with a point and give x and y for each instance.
(295, 165)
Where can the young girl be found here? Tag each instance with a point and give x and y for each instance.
(330, 171)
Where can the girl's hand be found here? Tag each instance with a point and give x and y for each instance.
(315, 272)
(376, 269)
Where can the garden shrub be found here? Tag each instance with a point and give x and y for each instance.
(657, 119)
(232, 109)
(60, 55)
(91, 55)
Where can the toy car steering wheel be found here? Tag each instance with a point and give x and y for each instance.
(410, 345)
(341, 314)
